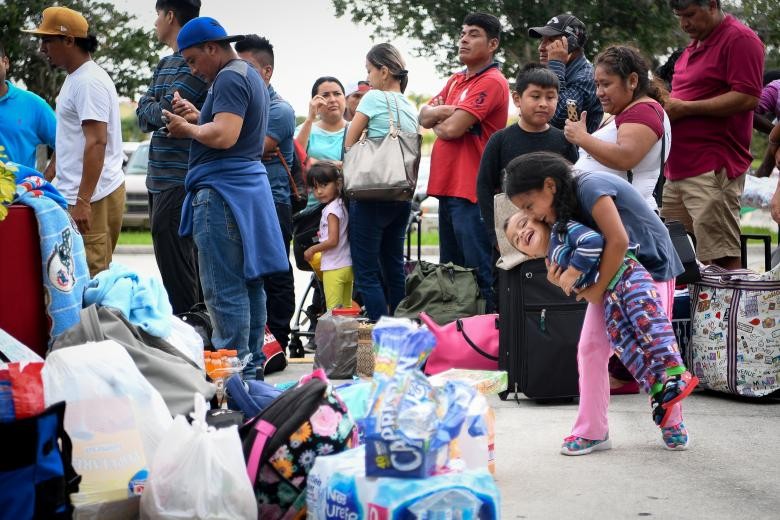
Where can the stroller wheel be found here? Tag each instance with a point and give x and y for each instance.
(296, 347)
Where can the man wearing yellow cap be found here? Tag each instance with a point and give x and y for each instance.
(89, 135)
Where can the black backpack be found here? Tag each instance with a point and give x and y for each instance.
(306, 223)
(198, 318)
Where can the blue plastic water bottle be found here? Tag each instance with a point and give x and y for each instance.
(7, 412)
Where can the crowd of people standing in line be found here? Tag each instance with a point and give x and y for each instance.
(223, 141)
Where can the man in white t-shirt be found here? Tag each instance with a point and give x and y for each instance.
(89, 136)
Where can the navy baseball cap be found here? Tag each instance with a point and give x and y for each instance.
(562, 25)
(181, 3)
(202, 30)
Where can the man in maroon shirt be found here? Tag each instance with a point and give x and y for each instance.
(471, 107)
(716, 85)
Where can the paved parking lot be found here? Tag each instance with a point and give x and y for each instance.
(731, 471)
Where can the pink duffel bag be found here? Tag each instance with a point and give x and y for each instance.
(470, 343)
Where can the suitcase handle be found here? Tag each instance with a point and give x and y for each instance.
(766, 239)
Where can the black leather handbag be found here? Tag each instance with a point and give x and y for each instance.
(298, 196)
(683, 244)
(681, 241)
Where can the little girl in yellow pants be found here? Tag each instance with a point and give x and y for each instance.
(335, 262)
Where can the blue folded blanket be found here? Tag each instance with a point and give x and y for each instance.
(65, 272)
(249, 397)
(33, 180)
(142, 300)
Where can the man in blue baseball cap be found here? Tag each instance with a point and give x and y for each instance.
(228, 210)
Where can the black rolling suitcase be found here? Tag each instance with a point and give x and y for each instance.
(539, 327)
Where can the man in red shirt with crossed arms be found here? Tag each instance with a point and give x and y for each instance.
(470, 108)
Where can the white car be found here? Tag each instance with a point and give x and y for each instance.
(128, 147)
(137, 202)
(423, 174)
(428, 205)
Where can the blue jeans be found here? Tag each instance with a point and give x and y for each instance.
(464, 242)
(377, 231)
(236, 305)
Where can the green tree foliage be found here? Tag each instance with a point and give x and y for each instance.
(763, 16)
(131, 131)
(418, 99)
(126, 52)
(649, 25)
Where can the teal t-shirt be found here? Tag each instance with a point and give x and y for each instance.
(324, 145)
(26, 121)
(374, 105)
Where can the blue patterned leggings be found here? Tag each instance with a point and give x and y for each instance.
(638, 329)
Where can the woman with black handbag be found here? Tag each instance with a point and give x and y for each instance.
(321, 138)
(378, 221)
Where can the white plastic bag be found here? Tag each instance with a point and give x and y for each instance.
(198, 472)
(186, 340)
(758, 191)
(114, 416)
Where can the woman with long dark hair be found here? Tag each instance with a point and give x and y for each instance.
(633, 142)
(322, 133)
(377, 228)
(542, 185)
(630, 140)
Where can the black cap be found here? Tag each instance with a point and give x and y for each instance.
(562, 25)
(190, 3)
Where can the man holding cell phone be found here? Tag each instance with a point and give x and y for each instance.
(561, 48)
(173, 81)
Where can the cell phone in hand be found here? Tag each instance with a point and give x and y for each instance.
(571, 109)
(164, 129)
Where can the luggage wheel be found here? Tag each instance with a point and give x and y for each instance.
(296, 347)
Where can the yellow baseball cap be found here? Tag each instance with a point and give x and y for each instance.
(61, 21)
